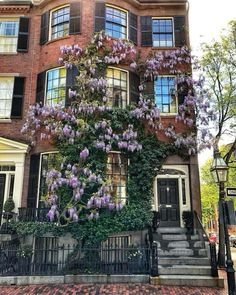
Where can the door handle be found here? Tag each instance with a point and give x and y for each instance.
(168, 206)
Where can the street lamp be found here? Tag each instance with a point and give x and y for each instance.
(219, 171)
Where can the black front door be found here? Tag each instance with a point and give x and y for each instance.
(2, 190)
(168, 199)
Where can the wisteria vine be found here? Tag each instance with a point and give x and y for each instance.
(86, 117)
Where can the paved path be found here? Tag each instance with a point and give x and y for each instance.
(110, 289)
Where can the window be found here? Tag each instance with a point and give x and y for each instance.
(49, 161)
(60, 22)
(117, 165)
(6, 94)
(118, 88)
(116, 22)
(8, 34)
(162, 32)
(56, 86)
(165, 98)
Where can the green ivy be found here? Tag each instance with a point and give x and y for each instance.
(136, 215)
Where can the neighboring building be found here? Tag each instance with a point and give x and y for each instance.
(31, 33)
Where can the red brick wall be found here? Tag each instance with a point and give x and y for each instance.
(40, 58)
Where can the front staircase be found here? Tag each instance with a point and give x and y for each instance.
(183, 259)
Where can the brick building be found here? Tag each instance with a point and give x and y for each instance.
(31, 33)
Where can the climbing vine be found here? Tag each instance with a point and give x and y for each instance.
(89, 128)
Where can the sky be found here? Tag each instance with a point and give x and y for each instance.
(207, 19)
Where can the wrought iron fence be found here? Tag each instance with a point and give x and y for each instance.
(71, 259)
(33, 214)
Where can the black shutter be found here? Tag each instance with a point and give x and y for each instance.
(44, 28)
(146, 30)
(40, 91)
(33, 181)
(17, 99)
(75, 18)
(134, 82)
(183, 89)
(149, 90)
(180, 34)
(100, 16)
(133, 27)
(70, 83)
(23, 35)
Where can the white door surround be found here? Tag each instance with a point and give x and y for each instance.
(180, 172)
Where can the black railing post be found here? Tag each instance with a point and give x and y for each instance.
(214, 269)
(154, 264)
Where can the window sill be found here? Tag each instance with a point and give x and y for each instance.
(5, 121)
(166, 115)
(8, 53)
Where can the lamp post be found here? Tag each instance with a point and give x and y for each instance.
(219, 171)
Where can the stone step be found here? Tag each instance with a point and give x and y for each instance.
(171, 230)
(184, 261)
(178, 244)
(174, 237)
(184, 270)
(176, 252)
(184, 280)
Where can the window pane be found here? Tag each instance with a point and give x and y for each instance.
(48, 162)
(165, 98)
(60, 22)
(117, 85)
(6, 93)
(56, 86)
(8, 35)
(117, 165)
(162, 32)
(116, 23)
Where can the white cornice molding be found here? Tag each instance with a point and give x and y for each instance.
(13, 146)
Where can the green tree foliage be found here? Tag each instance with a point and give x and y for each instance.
(219, 69)
(210, 190)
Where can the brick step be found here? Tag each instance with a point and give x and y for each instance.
(184, 280)
(184, 270)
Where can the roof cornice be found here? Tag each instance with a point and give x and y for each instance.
(15, 6)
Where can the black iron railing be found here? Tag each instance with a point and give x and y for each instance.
(33, 214)
(70, 259)
(204, 238)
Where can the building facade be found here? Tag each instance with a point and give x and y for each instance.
(31, 34)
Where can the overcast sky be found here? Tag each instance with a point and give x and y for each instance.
(208, 17)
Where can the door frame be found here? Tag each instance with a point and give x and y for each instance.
(184, 174)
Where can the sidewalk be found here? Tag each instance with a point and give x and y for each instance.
(111, 289)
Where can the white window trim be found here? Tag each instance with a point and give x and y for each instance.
(182, 207)
(46, 84)
(127, 17)
(128, 86)
(8, 120)
(39, 174)
(128, 163)
(177, 102)
(16, 18)
(50, 22)
(173, 31)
